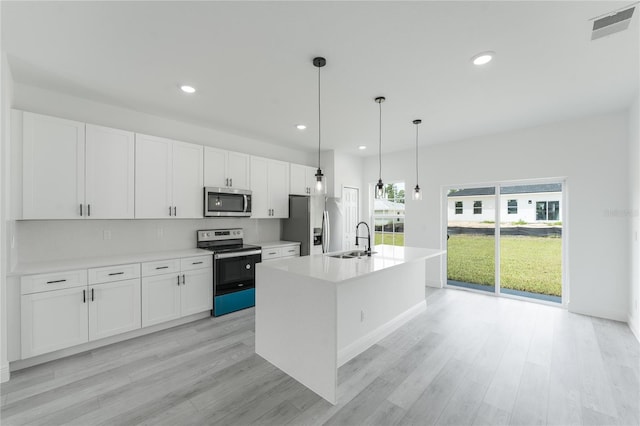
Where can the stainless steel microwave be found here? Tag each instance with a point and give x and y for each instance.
(227, 202)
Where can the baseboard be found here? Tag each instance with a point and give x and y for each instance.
(62, 353)
(633, 329)
(435, 284)
(371, 338)
(4, 373)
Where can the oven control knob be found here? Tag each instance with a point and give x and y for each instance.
(208, 234)
(248, 266)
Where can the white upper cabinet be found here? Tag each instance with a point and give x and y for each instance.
(53, 168)
(269, 188)
(279, 188)
(302, 180)
(226, 168)
(169, 178)
(110, 177)
(187, 180)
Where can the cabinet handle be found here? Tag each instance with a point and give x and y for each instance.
(162, 267)
(184, 281)
(273, 252)
(169, 210)
(55, 281)
(175, 210)
(92, 298)
(84, 296)
(88, 209)
(80, 209)
(178, 280)
(116, 273)
(196, 263)
(227, 181)
(291, 251)
(230, 181)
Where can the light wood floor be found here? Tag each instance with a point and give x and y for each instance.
(470, 359)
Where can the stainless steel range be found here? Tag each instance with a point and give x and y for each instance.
(234, 264)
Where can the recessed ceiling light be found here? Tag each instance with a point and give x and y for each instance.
(301, 127)
(187, 89)
(483, 58)
(361, 147)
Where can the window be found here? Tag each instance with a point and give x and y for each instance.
(512, 207)
(458, 207)
(388, 216)
(477, 207)
(547, 210)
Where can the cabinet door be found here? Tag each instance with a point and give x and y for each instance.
(110, 179)
(298, 180)
(279, 188)
(153, 177)
(260, 188)
(114, 308)
(53, 320)
(160, 299)
(188, 180)
(238, 170)
(53, 167)
(215, 164)
(196, 294)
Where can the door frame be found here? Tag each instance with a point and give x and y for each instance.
(358, 201)
(444, 189)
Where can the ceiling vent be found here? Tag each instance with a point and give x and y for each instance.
(611, 24)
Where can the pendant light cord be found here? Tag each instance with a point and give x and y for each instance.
(319, 126)
(417, 153)
(380, 143)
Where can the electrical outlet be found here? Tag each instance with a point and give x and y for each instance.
(361, 316)
(106, 234)
(160, 232)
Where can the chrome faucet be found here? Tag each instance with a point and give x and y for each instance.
(368, 250)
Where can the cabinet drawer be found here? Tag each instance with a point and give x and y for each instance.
(114, 273)
(190, 263)
(55, 281)
(271, 253)
(291, 251)
(160, 267)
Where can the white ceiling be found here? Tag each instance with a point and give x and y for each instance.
(251, 64)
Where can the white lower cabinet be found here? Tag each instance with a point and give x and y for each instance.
(160, 298)
(114, 308)
(53, 320)
(177, 294)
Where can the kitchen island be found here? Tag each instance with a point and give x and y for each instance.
(315, 313)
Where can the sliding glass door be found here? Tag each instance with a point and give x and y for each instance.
(471, 238)
(514, 249)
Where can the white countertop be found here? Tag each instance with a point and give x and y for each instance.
(96, 262)
(323, 267)
(273, 244)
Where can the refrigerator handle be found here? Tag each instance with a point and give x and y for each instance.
(326, 232)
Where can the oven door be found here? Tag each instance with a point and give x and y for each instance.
(227, 202)
(235, 271)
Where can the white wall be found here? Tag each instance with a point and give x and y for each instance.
(634, 197)
(6, 90)
(590, 152)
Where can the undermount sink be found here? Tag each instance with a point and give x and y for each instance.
(356, 254)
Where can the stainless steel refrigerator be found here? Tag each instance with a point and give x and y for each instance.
(307, 214)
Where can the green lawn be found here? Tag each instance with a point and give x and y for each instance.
(389, 239)
(527, 263)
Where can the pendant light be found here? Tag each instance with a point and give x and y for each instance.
(380, 189)
(321, 185)
(417, 195)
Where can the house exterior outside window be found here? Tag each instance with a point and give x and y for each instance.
(512, 207)
(477, 207)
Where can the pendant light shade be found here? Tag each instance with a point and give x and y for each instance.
(321, 185)
(380, 191)
(417, 195)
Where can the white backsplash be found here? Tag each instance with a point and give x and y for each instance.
(46, 240)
